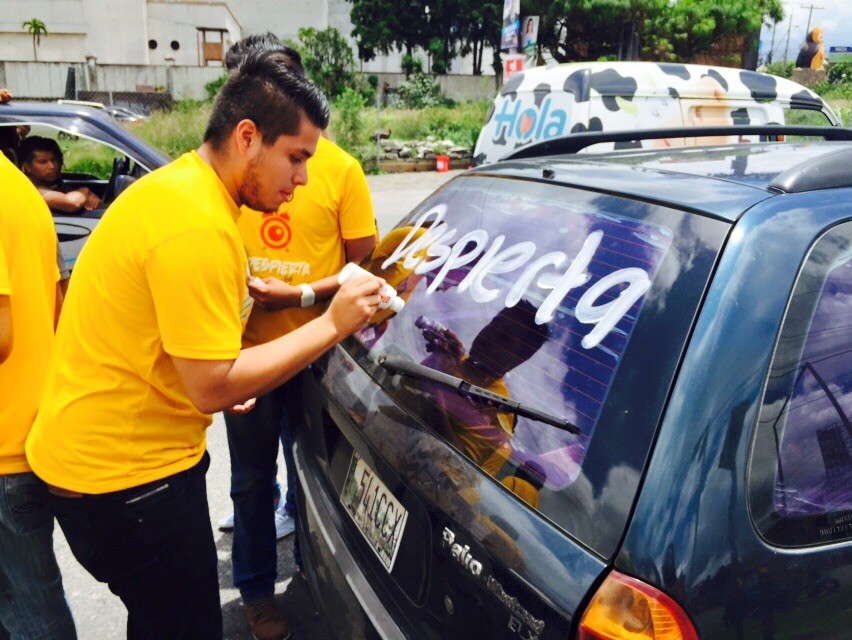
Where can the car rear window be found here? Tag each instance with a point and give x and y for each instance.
(535, 292)
(802, 462)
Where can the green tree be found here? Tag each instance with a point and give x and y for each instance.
(480, 24)
(576, 30)
(693, 27)
(36, 28)
(328, 59)
(381, 26)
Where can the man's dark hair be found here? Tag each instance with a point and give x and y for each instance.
(31, 144)
(9, 142)
(263, 90)
(263, 43)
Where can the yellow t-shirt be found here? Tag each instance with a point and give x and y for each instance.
(28, 275)
(164, 274)
(303, 241)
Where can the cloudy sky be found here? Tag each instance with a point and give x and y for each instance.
(835, 18)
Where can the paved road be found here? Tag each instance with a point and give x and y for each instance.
(101, 616)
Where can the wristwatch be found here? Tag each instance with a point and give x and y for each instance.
(308, 295)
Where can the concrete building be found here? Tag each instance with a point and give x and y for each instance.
(127, 32)
(192, 32)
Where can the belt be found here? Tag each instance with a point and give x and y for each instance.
(63, 493)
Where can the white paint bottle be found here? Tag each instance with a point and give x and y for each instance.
(394, 302)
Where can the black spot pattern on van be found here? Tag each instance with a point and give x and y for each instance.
(678, 70)
(578, 83)
(540, 93)
(478, 159)
(740, 116)
(595, 124)
(761, 86)
(502, 139)
(805, 96)
(673, 93)
(513, 84)
(717, 77)
(609, 83)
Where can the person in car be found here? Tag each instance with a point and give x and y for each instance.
(294, 254)
(149, 347)
(32, 604)
(41, 160)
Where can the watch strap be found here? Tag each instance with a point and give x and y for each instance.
(308, 295)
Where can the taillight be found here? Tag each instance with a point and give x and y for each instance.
(624, 608)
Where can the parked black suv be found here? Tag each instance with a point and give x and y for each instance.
(615, 406)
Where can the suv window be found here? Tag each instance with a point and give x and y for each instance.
(537, 292)
(801, 477)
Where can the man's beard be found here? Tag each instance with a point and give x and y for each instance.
(250, 189)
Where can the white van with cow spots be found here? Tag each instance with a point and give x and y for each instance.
(552, 102)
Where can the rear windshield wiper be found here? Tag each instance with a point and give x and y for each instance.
(422, 372)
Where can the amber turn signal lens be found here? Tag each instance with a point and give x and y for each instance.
(625, 608)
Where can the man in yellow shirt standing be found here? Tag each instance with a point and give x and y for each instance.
(149, 346)
(32, 602)
(294, 255)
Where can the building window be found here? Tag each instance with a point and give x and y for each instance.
(175, 45)
(152, 44)
(801, 476)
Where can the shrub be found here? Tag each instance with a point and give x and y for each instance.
(781, 69)
(212, 87)
(419, 92)
(348, 128)
(839, 72)
(411, 65)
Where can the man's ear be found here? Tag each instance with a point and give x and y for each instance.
(247, 138)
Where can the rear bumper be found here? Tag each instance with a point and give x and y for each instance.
(342, 592)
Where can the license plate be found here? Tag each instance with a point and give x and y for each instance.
(378, 515)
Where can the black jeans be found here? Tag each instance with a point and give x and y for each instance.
(153, 545)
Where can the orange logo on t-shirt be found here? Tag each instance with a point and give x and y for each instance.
(275, 230)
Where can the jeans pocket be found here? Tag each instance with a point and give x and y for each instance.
(25, 495)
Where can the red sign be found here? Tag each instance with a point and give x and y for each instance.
(512, 65)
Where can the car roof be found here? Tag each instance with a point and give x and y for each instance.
(88, 122)
(647, 79)
(723, 181)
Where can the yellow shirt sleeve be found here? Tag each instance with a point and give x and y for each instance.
(357, 219)
(197, 282)
(5, 283)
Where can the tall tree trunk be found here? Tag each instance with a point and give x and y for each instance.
(477, 58)
(35, 54)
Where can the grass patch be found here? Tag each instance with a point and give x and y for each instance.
(86, 156)
(178, 130)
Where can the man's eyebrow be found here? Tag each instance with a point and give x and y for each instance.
(305, 153)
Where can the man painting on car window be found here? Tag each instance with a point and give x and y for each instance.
(294, 255)
(149, 347)
(41, 160)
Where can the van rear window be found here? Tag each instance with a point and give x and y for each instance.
(532, 292)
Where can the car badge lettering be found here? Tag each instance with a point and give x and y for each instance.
(519, 613)
(461, 553)
(592, 308)
(521, 621)
(520, 120)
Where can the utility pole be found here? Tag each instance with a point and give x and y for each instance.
(789, 29)
(771, 44)
(810, 9)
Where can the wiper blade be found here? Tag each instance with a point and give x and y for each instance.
(422, 372)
